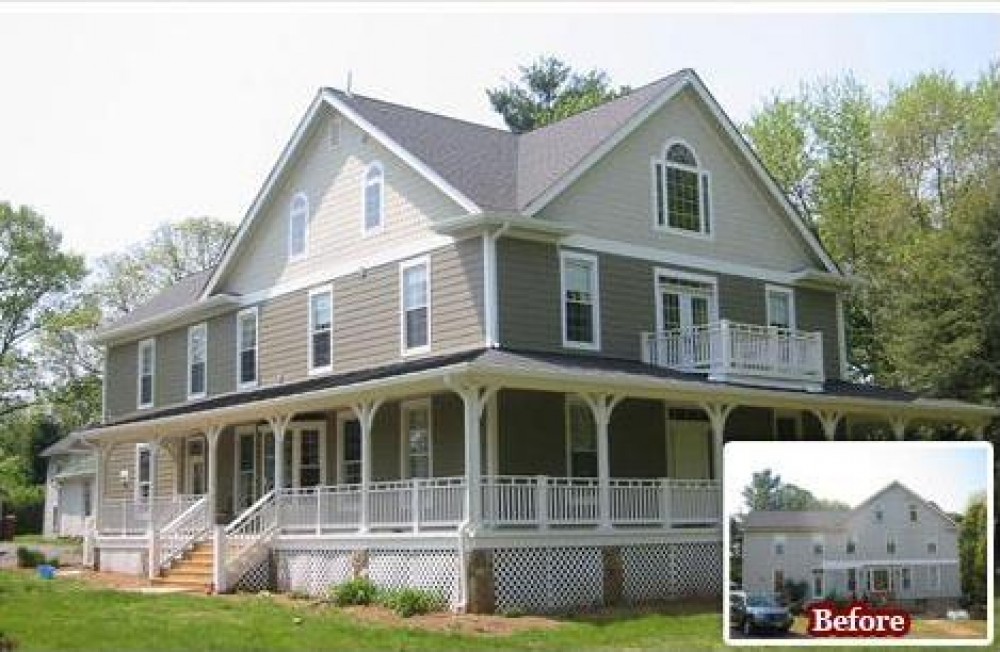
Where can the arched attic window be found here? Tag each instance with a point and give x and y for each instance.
(373, 198)
(681, 191)
(298, 226)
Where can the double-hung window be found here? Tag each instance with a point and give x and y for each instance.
(580, 300)
(681, 191)
(373, 198)
(321, 329)
(780, 307)
(581, 439)
(147, 371)
(415, 291)
(417, 438)
(143, 471)
(246, 348)
(298, 227)
(197, 350)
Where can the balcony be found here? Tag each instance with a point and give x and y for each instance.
(731, 351)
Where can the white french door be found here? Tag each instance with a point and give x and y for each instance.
(304, 460)
(683, 305)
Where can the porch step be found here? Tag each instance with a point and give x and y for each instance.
(191, 572)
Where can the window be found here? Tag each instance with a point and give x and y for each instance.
(147, 369)
(905, 578)
(890, 545)
(373, 198)
(879, 514)
(817, 546)
(852, 545)
(351, 467)
(852, 580)
(581, 297)
(298, 227)
(417, 437)
(817, 583)
(88, 499)
(310, 465)
(779, 545)
(879, 579)
(913, 514)
(143, 465)
(415, 291)
(321, 329)
(246, 348)
(932, 547)
(197, 355)
(681, 190)
(581, 439)
(779, 580)
(780, 307)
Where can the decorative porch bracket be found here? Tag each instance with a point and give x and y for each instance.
(365, 410)
(475, 399)
(829, 419)
(718, 414)
(602, 406)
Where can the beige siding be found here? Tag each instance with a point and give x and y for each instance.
(123, 457)
(613, 199)
(171, 367)
(331, 179)
(222, 354)
(120, 387)
(282, 339)
(457, 296)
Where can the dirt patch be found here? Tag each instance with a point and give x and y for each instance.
(107, 580)
(450, 622)
(948, 629)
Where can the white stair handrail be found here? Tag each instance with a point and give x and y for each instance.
(180, 533)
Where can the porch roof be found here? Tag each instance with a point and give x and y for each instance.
(545, 372)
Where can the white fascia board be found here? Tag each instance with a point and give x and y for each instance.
(398, 150)
(177, 316)
(513, 222)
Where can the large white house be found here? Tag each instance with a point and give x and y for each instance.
(895, 546)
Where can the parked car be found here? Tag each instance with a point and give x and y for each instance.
(760, 611)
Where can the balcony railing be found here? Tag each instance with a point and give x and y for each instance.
(728, 350)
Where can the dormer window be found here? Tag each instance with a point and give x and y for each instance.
(298, 226)
(681, 189)
(373, 198)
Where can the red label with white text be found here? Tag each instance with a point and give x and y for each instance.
(859, 619)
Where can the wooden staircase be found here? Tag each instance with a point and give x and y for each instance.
(192, 572)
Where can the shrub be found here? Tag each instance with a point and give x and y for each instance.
(29, 558)
(358, 591)
(795, 595)
(411, 602)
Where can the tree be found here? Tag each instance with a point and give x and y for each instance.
(972, 550)
(768, 491)
(548, 91)
(35, 276)
(762, 492)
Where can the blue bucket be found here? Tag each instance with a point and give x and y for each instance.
(46, 572)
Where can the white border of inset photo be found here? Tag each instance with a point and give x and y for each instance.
(823, 466)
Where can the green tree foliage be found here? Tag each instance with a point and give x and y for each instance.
(767, 491)
(549, 90)
(972, 550)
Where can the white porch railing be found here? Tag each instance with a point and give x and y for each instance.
(731, 349)
(179, 534)
(542, 501)
(130, 517)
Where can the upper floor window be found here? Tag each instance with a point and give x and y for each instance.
(298, 226)
(246, 347)
(373, 198)
(580, 301)
(197, 350)
(913, 514)
(416, 305)
(321, 329)
(681, 191)
(581, 439)
(147, 370)
(818, 546)
(780, 307)
(779, 545)
(852, 545)
(879, 514)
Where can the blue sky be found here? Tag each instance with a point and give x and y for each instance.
(117, 118)
(946, 472)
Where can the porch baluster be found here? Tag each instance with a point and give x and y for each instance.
(542, 502)
(319, 510)
(665, 516)
(415, 503)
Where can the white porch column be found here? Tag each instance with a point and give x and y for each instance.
(154, 470)
(212, 435)
(100, 481)
(365, 410)
(474, 399)
(898, 423)
(279, 425)
(718, 414)
(829, 420)
(601, 406)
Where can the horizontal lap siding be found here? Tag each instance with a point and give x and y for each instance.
(123, 457)
(171, 363)
(817, 311)
(282, 347)
(222, 354)
(120, 379)
(366, 318)
(528, 286)
(457, 296)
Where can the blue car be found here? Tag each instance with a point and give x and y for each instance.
(758, 612)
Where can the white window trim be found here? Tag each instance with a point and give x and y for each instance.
(151, 343)
(701, 173)
(567, 404)
(239, 348)
(313, 370)
(404, 436)
(713, 308)
(595, 306)
(294, 433)
(818, 540)
(203, 326)
(365, 230)
(784, 546)
(912, 507)
(292, 256)
(139, 449)
(189, 459)
(787, 291)
(403, 266)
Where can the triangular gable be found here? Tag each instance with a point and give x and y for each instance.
(689, 79)
(895, 484)
(293, 149)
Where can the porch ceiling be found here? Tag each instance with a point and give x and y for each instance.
(529, 370)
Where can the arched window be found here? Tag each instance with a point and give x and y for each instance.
(372, 198)
(681, 190)
(298, 226)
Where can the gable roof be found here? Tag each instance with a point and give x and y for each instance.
(895, 484)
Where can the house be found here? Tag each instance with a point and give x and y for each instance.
(500, 366)
(69, 487)
(896, 546)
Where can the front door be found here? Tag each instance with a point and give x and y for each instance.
(690, 445)
(684, 307)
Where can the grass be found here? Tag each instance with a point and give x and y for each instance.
(69, 615)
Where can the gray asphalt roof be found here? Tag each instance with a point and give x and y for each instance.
(182, 293)
(768, 520)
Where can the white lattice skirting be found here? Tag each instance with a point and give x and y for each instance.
(256, 578)
(666, 571)
(547, 579)
(313, 572)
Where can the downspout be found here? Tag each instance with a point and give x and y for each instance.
(491, 303)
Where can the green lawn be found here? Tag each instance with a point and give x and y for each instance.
(68, 615)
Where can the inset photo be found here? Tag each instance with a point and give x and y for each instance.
(863, 543)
